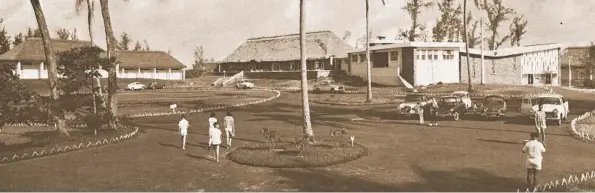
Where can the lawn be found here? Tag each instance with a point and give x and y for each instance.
(353, 98)
(148, 101)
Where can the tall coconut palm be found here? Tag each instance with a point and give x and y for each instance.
(90, 6)
(52, 67)
(368, 63)
(307, 127)
(111, 80)
(466, 38)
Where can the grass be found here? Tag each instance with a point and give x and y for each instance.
(19, 140)
(353, 98)
(144, 102)
(323, 154)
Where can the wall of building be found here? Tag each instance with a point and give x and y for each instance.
(436, 65)
(380, 75)
(293, 75)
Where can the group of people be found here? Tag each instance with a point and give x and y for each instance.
(428, 111)
(214, 132)
(533, 148)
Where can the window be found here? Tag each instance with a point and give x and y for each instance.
(493, 66)
(394, 56)
(514, 63)
(474, 68)
(417, 55)
(354, 58)
(379, 59)
(435, 53)
(423, 55)
(448, 55)
(362, 58)
(430, 55)
(548, 78)
(530, 79)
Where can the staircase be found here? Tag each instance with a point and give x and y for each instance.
(221, 82)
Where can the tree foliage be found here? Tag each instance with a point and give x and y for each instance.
(18, 39)
(147, 48)
(137, 46)
(473, 37)
(448, 25)
(124, 43)
(4, 38)
(63, 33)
(199, 64)
(497, 14)
(414, 7)
(15, 98)
(33, 33)
(518, 28)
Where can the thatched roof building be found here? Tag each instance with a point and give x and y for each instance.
(148, 60)
(319, 45)
(32, 49)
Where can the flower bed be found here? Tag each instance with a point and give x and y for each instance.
(320, 155)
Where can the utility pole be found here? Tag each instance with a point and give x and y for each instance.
(482, 61)
(569, 71)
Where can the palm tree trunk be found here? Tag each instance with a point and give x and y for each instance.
(307, 127)
(111, 81)
(368, 65)
(99, 92)
(52, 68)
(470, 87)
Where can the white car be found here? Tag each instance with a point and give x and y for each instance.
(555, 107)
(407, 108)
(245, 84)
(136, 86)
(465, 97)
(328, 86)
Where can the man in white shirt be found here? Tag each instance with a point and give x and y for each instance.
(215, 139)
(540, 122)
(533, 149)
(183, 125)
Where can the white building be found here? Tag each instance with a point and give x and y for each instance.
(29, 58)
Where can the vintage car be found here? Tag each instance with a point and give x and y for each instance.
(555, 107)
(493, 106)
(465, 97)
(451, 106)
(155, 86)
(407, 108)
(328, 86)
(245, 84)
(135, 86)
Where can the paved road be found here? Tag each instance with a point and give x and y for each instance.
(467, 155)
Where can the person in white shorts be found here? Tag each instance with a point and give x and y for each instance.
(215, 136)
(420, 112)
(540, 123)
(533, 149)
(230, 129)
(212, 121)
(183, 126)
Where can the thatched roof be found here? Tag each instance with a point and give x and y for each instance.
(148, 60)
(32, 49)
(319, 45)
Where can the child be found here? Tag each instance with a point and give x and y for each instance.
(229, 128)
(183, 125)
(420, 111)
(533, 149)
(215, 138)
(212, 121)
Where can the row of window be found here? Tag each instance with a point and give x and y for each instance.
(393, 57)
(434, 55)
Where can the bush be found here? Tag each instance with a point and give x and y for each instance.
(319, 155)
(589, 83)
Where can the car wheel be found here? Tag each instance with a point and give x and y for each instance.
(332, 90)
(317, 90)
(456, 116)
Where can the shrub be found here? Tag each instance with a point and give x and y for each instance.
(589, 83)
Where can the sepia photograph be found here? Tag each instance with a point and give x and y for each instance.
(327, 96)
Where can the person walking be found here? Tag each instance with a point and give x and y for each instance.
(433, 111)
(212, 121)
(230, 129)
(420, 112)
(540, 122)
(533, 149)
(183, 126)
(215, 139)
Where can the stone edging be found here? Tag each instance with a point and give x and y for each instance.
(68, 148)
(581, 135)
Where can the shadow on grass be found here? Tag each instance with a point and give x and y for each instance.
(199, 157)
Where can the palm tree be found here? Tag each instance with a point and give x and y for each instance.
(79, 6)
(368, 65)
(307, 127)
(465, 37)
(111, 80)
(52, 67)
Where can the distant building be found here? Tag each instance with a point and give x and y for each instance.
(279, 56)
(528, 65)
(29, 59)
(575, 56)
(409, 63)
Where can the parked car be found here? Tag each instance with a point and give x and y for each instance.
(136, 86)
(155, 85)
(451, 106)
(245, 84)
(328, 86)
(407, 108)
(465, 97)
(493, 106)
(555, 107)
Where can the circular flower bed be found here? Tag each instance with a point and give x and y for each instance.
(285, 156)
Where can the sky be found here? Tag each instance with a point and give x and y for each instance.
(222, 25)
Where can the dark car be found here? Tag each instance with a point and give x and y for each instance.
(451, 106)
(155, 85)
(494, 106)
